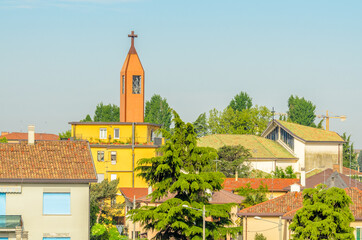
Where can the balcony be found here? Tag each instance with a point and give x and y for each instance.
(10, 222)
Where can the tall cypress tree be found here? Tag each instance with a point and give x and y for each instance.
(181, 171)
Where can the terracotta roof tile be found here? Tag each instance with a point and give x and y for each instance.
(129, 193)
(259, 147)
(276, 184)
(24, 136)
(46, 161)
(310, 133)
(347, 171)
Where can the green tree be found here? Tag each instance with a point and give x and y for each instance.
(106, 113)
(103, 208)
(158, 111)
(281, 173)
(65, 135)
(325, 215)
(3, 140)
(301, 111)
(249, 121)
(241, 102)
(87, 119)
(259, 236)
(253, 196)
(180, 171)
(234, 158)
(200, 125)
(349, 156)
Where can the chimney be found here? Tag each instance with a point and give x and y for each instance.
(295, 187)
(149, 190)
(302, 177)
(31, 134)
(236, 176)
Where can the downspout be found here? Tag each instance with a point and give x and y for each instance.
(133, 144)
(246, 227)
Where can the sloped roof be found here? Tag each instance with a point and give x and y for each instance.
(347, 171)
(356, 206)
(310, 134)
(129, 193)
(47, 161)
(276, 184)
(275, 207)
(219, 197)
(24, 136)
(259, 147)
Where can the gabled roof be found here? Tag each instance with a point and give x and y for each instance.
(130, 193)
(260, 148)
(275, 207)
(47, 161)
(273, 184)
(219, 197)
(24, 136)
(304, 133)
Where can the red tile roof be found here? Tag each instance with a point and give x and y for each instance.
(129, 193)
(24, 136)
(275, 207)
(347, 171)
(47, 161)
(276, 184)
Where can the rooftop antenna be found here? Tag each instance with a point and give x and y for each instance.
(273, 112)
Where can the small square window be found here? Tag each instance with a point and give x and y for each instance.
(100, 156)
(113, 177)
(100, 177)
(56, 203)
(136, 84)
(103, 133)
(116, 133)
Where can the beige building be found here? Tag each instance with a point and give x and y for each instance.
(44, 190)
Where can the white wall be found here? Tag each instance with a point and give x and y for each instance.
(29, 204)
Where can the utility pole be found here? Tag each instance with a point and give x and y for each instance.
(203, 223)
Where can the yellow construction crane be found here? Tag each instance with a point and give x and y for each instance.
(327, 117)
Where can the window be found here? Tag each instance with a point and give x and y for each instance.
(100, 177)
(116, 133)
(113, 177)
(274, 134)
(2, 203)
(122, 84)
(287, 138)
(103, 133)
(113, 157)
(136, 84)
(56, 203)
(358, 233)
(100, 156)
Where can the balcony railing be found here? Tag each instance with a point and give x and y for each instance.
(10, 221)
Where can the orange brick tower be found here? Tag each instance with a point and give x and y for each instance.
(132, 86)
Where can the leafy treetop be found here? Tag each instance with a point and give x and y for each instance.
(180, 171)
(3, 140)
(234, 159)
(302, 111)
(349, 156)
(158, 111)
(200, 125)
(241, 102)
(281, 173)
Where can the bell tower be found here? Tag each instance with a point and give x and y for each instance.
(132, 86)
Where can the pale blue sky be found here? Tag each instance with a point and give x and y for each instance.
(59, 58)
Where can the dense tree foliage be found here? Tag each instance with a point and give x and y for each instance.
(301, 111)
(253, 196)
(106, 113)
(241, 102)
(349, 156)
(248, 121)
(3, 140)
(180, 170)
(65, 135)
(103, 209)
(359, 160)
(281, 173)
(200, 125)
(87, 119)
(234, 159)
(325, 215)
(158, 111)
(259, 236)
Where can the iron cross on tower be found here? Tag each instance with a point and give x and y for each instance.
(132, 35)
